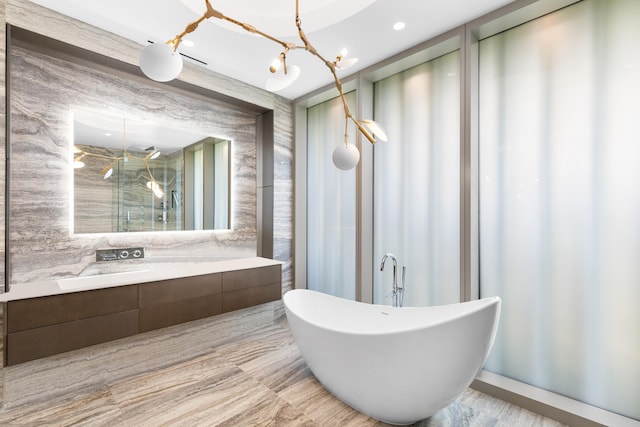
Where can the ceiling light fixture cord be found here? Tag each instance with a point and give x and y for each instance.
(367, 127)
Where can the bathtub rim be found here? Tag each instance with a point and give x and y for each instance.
(480, 304)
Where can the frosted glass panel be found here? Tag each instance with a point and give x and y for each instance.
(331, 204)
(417, 182)
(559, 201)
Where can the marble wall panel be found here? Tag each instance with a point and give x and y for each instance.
(54, 253)
(3, 44)
(283, 191)
(33, 17)
(44, 93)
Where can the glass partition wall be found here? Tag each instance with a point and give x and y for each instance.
(416, 182)
(331, 204)
(554, 155)
(559, 157)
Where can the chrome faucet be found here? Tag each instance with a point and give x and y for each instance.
(397, 291)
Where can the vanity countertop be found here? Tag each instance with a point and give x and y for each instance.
(144, 274)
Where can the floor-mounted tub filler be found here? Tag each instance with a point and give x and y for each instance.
(398, 365)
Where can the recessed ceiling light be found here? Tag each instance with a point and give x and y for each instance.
(188, 43)
(107, 134)
(399, 26)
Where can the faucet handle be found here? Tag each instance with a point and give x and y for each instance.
(404, 272)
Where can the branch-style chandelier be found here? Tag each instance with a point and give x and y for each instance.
(161, 62)
(107, 171)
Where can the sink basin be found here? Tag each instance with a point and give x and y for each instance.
(103, 280)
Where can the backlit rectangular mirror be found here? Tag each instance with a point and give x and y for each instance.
(131, 175)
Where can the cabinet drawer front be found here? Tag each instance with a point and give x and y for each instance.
(252, 296)
(51, 310)
(36, 343)
(252, 277)
(167, 291)
(173, 313)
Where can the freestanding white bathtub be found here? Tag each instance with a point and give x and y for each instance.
(398, 365)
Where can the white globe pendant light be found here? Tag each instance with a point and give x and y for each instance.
(159, 62)
(346, 156)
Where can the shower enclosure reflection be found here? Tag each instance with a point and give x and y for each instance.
(133, 176)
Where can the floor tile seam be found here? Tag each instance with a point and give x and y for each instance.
(277, 394)
(191, 389)
(191, 358)
(305, 421)
(281, 386)
(268, 396)
(308, 414)
(46, 397)
(114, 404)
(264, 380)
(110, 376)
(237, 352)
(274, 352)
(177, 366)
(58, 402)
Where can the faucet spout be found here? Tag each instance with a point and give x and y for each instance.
(395, 268)
(394, 287)
(384, 259)
(397, 291)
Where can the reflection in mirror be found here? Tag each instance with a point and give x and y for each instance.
(138, 176)
(206, 179)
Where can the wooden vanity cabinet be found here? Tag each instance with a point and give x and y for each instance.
(44, 326)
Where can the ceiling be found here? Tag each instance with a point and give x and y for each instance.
(367, 34)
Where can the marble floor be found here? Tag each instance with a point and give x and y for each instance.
(237, 369)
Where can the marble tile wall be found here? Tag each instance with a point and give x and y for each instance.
(44, 92)
(283, 190)
(3, 45)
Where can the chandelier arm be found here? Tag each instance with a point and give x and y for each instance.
(346, 130)
(151, 178)
(114, 158)
(347, 112)
(175, 42)
(213, 13)
(102, 156)
(254, 30)
(332, 67)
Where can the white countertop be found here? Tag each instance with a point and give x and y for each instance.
(143, 275)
